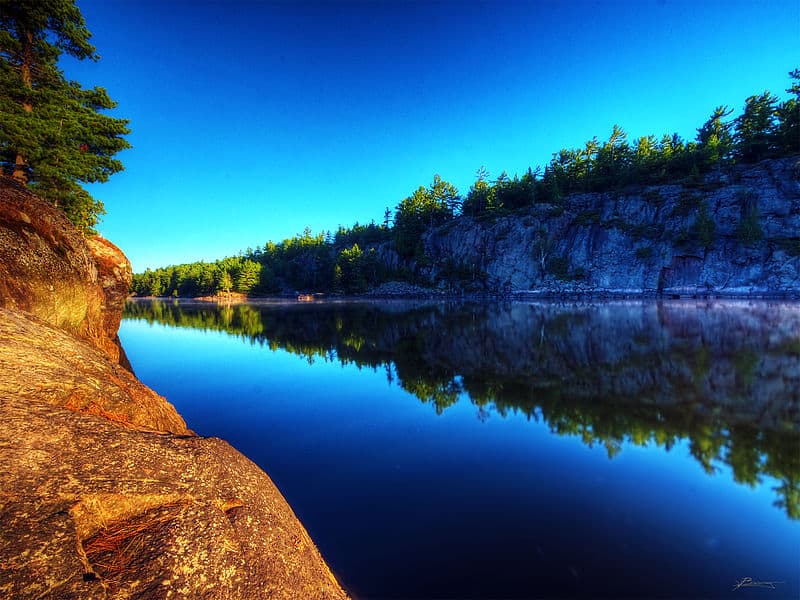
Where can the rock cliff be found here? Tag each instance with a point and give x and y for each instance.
(48, 269)
(735, 232)
(105, 493)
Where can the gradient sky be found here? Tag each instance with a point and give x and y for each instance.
(252, 120)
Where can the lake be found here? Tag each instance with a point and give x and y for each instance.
(508, 450)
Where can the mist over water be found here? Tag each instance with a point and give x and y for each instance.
(508, 449)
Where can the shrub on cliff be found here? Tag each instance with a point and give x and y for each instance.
(749, 230)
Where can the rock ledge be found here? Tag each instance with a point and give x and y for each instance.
(105, 493)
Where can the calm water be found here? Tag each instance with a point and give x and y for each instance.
(508, 450)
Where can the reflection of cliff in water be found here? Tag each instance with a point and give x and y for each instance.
(725, 375)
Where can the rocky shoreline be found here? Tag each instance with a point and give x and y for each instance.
(389, 291)
(105, 492)
(735, 233)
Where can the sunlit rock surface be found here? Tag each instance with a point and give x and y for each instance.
(104, 492)
(94, 510)
(42, 364)
(48, 269)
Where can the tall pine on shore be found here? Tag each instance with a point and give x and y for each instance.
(54, 134)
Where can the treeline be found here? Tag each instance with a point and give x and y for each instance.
(233, 274)
(766, 128)
(350, 262)
(306, 262)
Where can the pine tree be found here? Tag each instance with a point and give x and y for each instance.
(425, 208)
(444, 196)
(755, 127)
(248, 276)
(54, 135)
(477, 200)
(715, 138)
(788, 113)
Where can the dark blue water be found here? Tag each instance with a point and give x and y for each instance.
(510, 450)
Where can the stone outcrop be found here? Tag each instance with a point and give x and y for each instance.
(94, 510)
(104, 492)
(48, 269)
(114, 276)
(40, 363)
(736, 233)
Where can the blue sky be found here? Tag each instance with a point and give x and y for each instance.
(252, 120)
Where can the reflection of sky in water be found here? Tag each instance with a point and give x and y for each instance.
(406, 502)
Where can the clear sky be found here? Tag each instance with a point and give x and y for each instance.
(252, 120)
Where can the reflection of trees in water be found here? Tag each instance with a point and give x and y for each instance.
(727, 380)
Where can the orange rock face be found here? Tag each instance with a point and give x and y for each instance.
(48, 269)
(114, 276)
(104, 492)
(41, 363)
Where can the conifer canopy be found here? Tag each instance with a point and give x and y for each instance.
(54, 134)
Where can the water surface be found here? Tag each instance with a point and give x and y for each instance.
(508, 450)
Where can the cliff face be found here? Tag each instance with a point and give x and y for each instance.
(735, 233)
(104, 492)
(48, 269)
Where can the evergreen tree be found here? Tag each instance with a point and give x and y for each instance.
(788, 113)
(477, 200)
(518, 192)
(223, 282)
(425, 208)
(611, 162)
(248, 276)
(551, 191)
(54, 135)
(714, 137)
(645, 154)
(350, 271)
(755, 127)
(444, 196)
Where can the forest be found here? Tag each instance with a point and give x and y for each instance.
(348, 261)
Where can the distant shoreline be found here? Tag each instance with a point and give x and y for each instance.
(594, 295)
